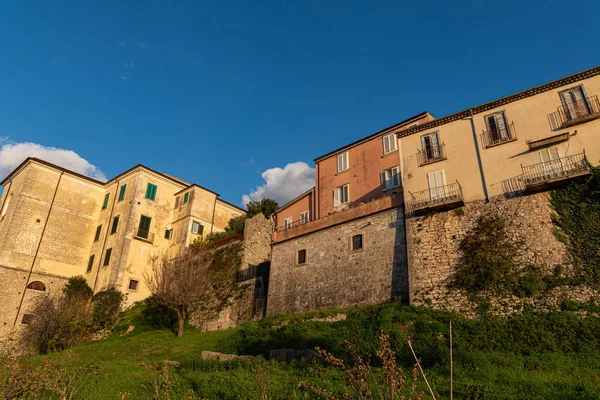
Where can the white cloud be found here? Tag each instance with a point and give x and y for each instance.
(12, 154)
(283, 184)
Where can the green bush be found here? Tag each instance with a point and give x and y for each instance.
(106, 307)
(237, 224)
(529, 285)
(570, 305)
(158, 316)
(77, 286)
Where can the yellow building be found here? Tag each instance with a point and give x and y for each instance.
(55, 223)
(528, 141)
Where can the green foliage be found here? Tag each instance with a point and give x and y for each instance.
(577, 216)
(106, 307)
(570, 305)
(157, 315)
(237, 224)
(77, 286)
(487, 261)
(267, 207)
(530, 283)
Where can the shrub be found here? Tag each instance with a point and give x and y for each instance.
(157, 315)
(77, 286)
(529, 285)
(570, 305)
(237, 224)
(106, 307)
(266, 206)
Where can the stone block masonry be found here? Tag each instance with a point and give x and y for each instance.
(336, 276)
(433, 254)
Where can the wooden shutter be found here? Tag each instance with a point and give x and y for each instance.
(177, 201)
(122, 192)
(386, 145)
(395, 177)
(336, 197)
(346, 193)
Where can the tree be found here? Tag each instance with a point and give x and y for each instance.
(179, 283)
(266, 206)
(77, 287)
(237, 224)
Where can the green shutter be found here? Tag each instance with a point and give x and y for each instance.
(91, 263)
(151, 192)
(186, 197)
(105, 204)
(115, 225)
(122, 192)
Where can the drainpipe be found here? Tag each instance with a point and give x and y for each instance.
(212, 223)
(477, 152)
(101, 258)
(37, 250)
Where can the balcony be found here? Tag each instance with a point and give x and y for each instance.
(440, 198)
(431, 155)
(292, 224)
(499, 135)
(144, 235)
(576, 112)
(553, 173)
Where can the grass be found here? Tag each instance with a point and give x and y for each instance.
(554, 356)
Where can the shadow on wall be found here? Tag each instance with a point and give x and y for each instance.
(400, 287)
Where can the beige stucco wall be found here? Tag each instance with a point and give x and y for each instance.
(530, 117)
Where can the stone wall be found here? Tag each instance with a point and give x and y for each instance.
(336, 276)
(257, 240)
(433, 254)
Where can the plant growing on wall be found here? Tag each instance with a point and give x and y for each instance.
(577, 220)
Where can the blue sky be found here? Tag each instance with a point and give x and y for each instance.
(219, 92)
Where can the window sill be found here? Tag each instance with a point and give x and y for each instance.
(357, 251)
(342, 172)
(390, 153)
(489, 146)
(391, 188)
(432, 162)
(141, 239)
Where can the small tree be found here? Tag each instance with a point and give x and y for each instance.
(237, 224)
(266, 206)
(179, 283)
(77, 286)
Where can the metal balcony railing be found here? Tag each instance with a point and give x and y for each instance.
(446, 196)
(498, 135)
(431, 155)
(555, 170)
(291, 225)
(577, 111)
(144, 234)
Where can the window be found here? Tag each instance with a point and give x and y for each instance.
(122, 193)
(197, 228)
(133, 284)
(176, 201)
(90, 263)
(27, 318)
(390, 143)
(287, 223)
(497, 127)
(302, 256)
(432, 150)
(144, 227)
(168, 233)
(107, 257)
(115, 225)
(390, 178)
(574, 102)
(550, 157)
(105, 204)
(437, 184)
(341, 195)
(37, 285)
(357, 242)
(151, 192)
(98, 231)
(186, 197)
(342, 162)
(304, 217)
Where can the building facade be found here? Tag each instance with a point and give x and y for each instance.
(55, 224)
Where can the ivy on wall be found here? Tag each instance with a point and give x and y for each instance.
(577, 221)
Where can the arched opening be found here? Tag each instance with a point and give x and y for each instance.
(37, 285)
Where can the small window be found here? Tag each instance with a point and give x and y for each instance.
(115, 225)
(168, 233)
(151, 192)
(122, 193)
(27, 318)
(186, 197)
(287, 223)
(357, 242)
(304, 217)
(197, 228)
(432, 149)
(133, 284)
(390, 178)
(98, 231)
(90, 263)
(107, 257)
(341, 195)
(342, 162)
(144, 227)
(302, 256)
(37, 285)
(105, 204)
(177, 201)
(390, 143)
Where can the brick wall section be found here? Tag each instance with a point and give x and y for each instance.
(433, 253)
(333, 276)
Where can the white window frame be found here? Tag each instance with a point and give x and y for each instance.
(304, 217)
(387, 177)
(338, 195)
(198, 224)
(388, 141)
(343, 163)
(287, 223)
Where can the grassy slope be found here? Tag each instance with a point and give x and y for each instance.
(486, 365)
